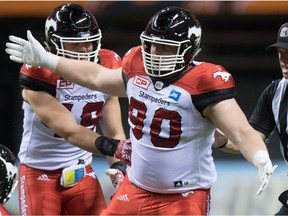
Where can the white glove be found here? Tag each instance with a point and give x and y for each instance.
(116, 177)
(265, 170)
(30, 52)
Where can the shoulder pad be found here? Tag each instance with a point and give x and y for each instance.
(132, 62)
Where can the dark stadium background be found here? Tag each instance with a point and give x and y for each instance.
(234, 34)
(231, 36)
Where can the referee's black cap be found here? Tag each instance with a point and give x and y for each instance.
(282, 38)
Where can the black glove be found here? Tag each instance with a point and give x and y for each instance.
(121, 149)
(107, 146)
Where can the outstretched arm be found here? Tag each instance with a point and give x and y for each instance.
(84, 73)
(32, 52)
(222, 143)
(93, 76)
(229, 118)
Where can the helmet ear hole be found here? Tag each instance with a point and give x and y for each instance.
(53, 43)
(188, 56)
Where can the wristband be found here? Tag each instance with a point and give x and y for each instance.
(120, 166)
(259, 157)
(107, 146)
(50, 61)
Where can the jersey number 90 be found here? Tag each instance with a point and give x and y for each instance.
(137, 115)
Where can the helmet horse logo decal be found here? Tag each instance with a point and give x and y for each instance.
(196, 31)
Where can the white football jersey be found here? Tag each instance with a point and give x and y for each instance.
(41, 147)
(171, 140)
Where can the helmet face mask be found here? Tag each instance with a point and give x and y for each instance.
(8, 174)
(158, 65)
(91, 56)
(71, 23)
(175, 27)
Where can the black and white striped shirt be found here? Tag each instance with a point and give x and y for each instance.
(271, 112)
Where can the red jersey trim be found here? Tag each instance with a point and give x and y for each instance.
(133, 64)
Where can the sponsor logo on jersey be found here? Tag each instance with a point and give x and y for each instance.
(174, 95)
(183, 183)
(64, 84)
(178, 184)
(141, 82)
(43, 177)
(223, 74)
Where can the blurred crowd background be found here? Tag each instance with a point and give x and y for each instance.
(234, 34)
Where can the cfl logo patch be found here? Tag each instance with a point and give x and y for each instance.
(64, 84)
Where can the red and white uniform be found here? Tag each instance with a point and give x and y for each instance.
(3, 211)
(43, 154)
(171, 140)
(41, 148)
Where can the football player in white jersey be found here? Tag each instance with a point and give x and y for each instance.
(175, 104)
(56, 177)
(8, 177)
